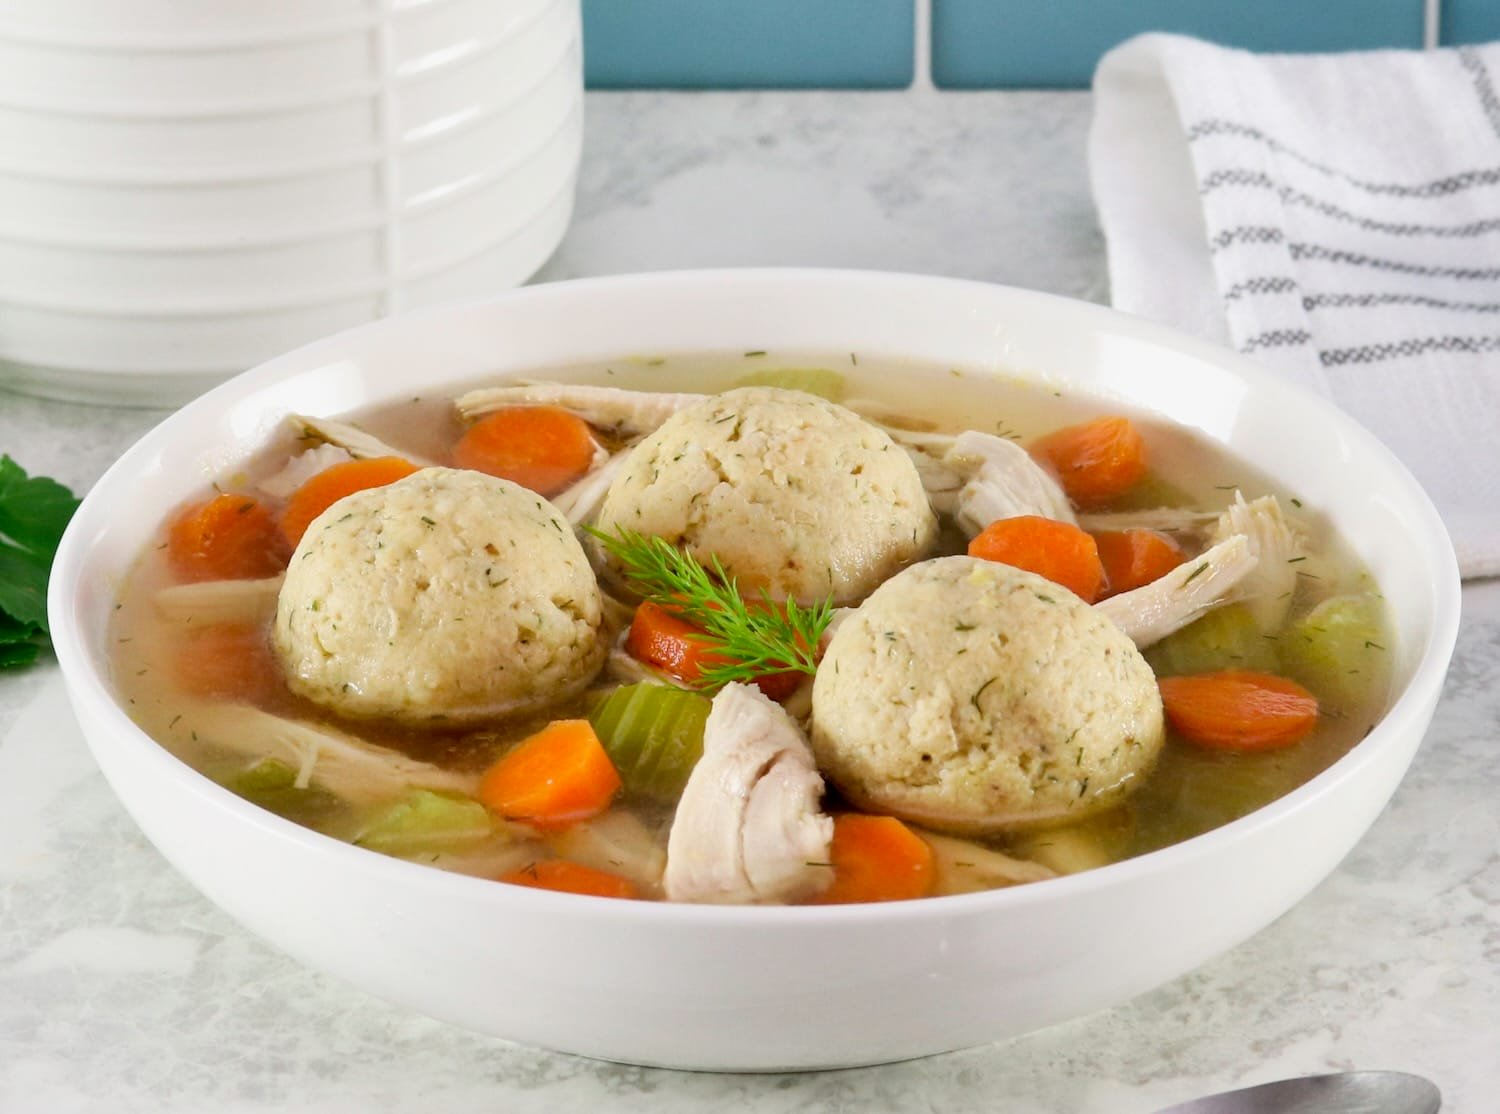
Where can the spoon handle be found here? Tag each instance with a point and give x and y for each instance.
(1354, 1092)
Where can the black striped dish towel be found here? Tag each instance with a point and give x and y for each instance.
(1338, 218)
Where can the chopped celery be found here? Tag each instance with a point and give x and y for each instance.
(1226, 638)
(273, 786)
(1194, 790)
(424, 822)
(1340, 650)
(654, 735)
(1150, 492)
(814, 380)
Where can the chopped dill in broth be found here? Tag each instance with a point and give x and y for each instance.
(184, 652)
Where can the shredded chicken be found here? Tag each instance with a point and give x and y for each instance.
(1149, 614)
(303, 467)
(219, 601)
(748, 827)
(963, 866)
(1171, 520)
(627, 669)
(1003, 482)
(618, 842)
(348, 767)
(894, 420)
(1065, 850)
(1278, 549)
(580, 503)
(494, 857)
(355, 441)
(621, 412)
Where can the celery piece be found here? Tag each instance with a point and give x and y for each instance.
(1152, 491)
(813, 380)
(1340, 649)
(654, 735)
(1226, 638)
(424, 822)
(273, 786)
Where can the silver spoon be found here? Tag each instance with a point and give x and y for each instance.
(1349, 1092)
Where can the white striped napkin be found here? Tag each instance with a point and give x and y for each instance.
(1335, 216)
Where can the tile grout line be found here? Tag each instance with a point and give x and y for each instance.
(921, 66)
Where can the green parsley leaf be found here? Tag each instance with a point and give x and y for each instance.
(13, 657)
(13, 630)
(34, 512)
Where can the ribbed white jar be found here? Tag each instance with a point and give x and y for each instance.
(187, 189)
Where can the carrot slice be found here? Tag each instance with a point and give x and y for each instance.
(541, 447)
(1061, 552)
(666, 641)
(1096, 461)
(229, 537)
(1238, 709)
(559, 775)
(1134, 558)
(876, 858)
(332, 484)
(571, 878)
(229, 661)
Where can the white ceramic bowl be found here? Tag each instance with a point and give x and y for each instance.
(763, 988)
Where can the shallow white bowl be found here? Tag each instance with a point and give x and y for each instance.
(754, 988)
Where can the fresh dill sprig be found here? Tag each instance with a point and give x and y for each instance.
(748, 642)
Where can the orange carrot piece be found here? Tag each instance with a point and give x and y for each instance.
(876, 858)
(541, 447)
(1096, 461)
(1134, 558)
(666, 641)
(1061, 552)
(229, 537)
(571, 878)
(228, 661)
(1238, 709)
(332, 484)
(557, 776)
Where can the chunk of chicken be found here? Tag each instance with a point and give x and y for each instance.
(1150, 613)
(618, 842)
(219, 601)
(928, 451)
(303, 467)
(1171, 520)
(580, 502)
(618, 411)
(1003, 482)
(748, 829)
(963, 866)
(348, 767)
(353, 440)
(1267, 591)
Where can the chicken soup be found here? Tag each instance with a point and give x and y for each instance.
(751, 629)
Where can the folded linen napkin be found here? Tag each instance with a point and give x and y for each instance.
(1336, 217)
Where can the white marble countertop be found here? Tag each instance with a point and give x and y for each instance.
(121, 989)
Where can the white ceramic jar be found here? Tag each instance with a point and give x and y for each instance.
(188, 189)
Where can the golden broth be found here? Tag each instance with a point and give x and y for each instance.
(1191, 790)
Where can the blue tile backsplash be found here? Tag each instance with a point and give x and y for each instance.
(1470, 21)
(870, 44)
(1056, 43)
(746, 44)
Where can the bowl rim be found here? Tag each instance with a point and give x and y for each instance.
(86, 685)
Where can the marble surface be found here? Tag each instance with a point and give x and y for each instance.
(123, 990)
